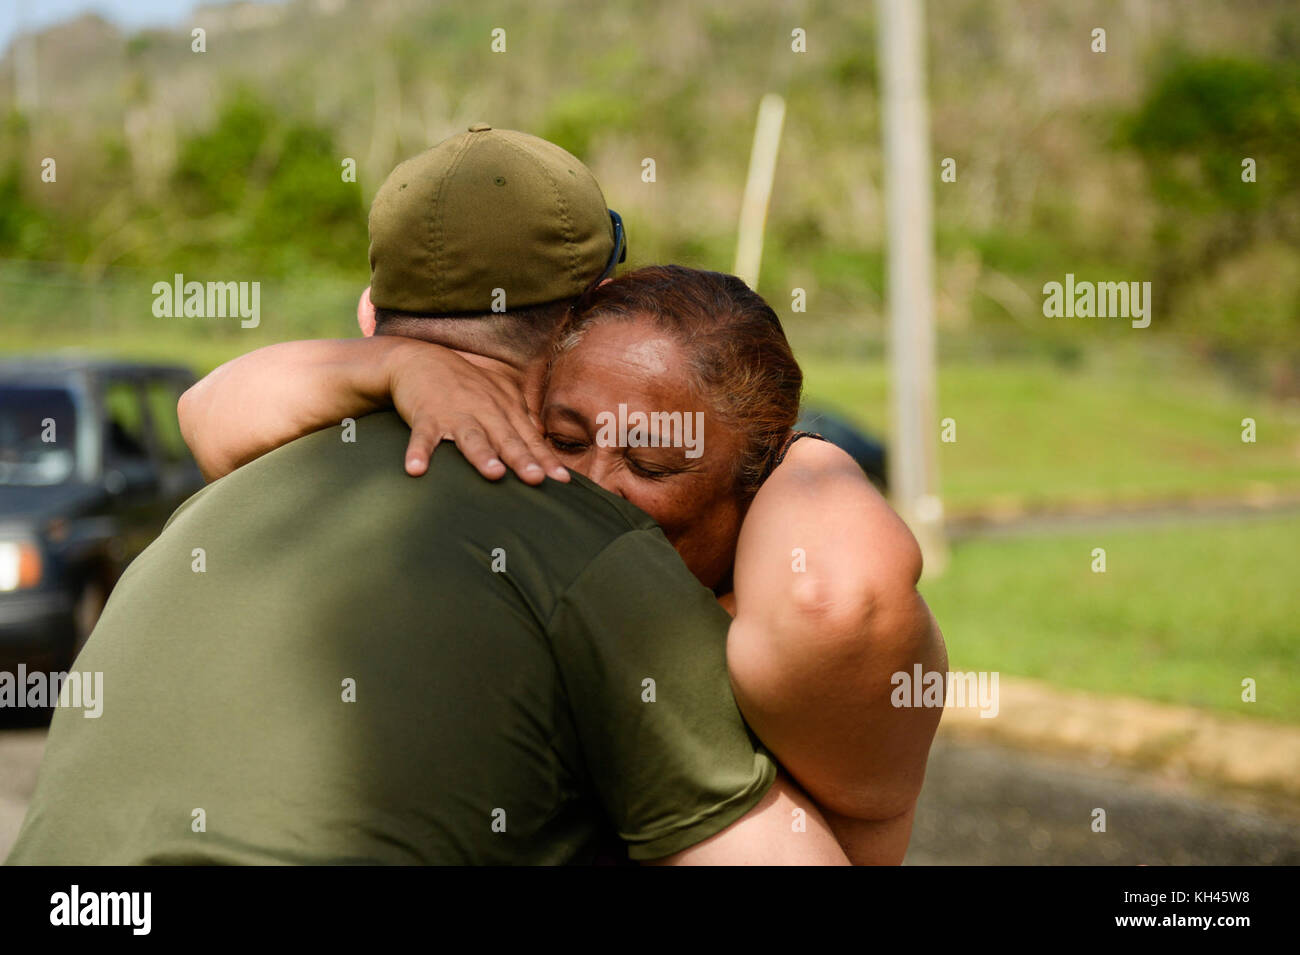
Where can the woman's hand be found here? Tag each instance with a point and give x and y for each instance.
(443, 396)
(273, 395)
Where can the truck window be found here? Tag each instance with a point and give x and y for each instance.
(38, 435)
(161, 396)
(125, 438)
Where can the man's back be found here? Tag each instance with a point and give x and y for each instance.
(323, 660)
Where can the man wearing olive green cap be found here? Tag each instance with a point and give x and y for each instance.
(487, 212)
(368, 668)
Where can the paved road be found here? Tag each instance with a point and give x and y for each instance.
(982, 804)
(988, 805)
(20, 755)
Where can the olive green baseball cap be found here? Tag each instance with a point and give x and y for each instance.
(489, 209)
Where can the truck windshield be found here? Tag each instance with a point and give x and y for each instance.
(38, 432)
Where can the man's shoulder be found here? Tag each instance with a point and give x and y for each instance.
(370, 449)
(357, 467)
(381, 441)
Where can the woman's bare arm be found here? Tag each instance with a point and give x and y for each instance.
(826, 612)
(271, 396)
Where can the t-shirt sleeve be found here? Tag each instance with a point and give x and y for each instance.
(641, 648)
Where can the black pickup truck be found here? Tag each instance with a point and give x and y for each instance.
(91, 465)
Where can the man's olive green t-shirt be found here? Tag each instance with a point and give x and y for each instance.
(323, 660)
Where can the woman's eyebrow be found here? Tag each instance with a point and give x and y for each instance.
(570, 414)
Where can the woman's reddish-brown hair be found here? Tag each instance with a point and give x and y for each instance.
(740, 361)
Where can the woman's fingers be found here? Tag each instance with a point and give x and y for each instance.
(483, 412)
(529, 459)
(478, 438)
(494, 440)
(527, 426)
(488, 439)
(473, 443)
(419, 450)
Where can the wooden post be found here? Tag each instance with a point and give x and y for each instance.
(758, 188)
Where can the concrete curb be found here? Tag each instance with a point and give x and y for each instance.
(1176, 741)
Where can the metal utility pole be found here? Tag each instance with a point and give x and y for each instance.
(758, 188)
(914, 477)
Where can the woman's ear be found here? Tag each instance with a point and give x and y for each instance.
(366, 314)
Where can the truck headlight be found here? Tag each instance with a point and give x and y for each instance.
(20, 565)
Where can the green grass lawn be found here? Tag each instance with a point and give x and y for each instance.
(1183, 613)
(1037, 434)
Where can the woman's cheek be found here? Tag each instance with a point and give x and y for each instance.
(665, 509)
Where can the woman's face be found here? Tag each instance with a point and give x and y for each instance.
(690, 494)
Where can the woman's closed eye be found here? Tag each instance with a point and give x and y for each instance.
(646, 471)
(566, 445)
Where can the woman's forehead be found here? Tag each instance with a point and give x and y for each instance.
(637, 348)
(653, 354)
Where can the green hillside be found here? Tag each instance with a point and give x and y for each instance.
(1118, 165)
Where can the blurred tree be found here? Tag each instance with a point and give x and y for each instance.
(1201, 119)
(214, 168)
(273, 184)
(23, 225)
